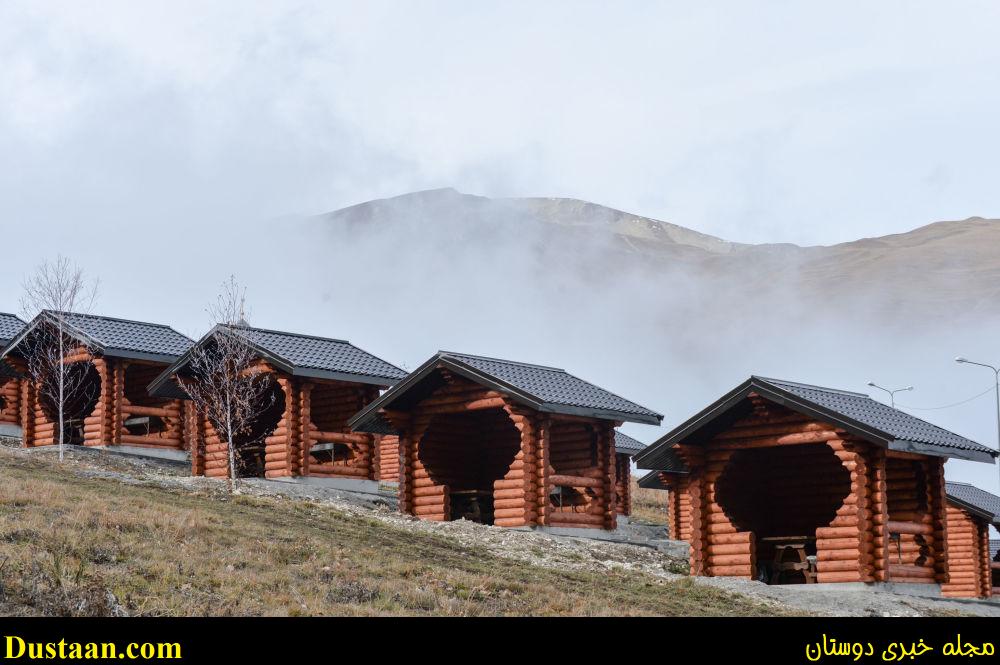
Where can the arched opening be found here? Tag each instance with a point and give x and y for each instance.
(783, 494)
(468, 453)
(249, 443)
(81, 391)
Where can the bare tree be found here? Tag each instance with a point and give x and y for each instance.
(57, 290)
(225, 382)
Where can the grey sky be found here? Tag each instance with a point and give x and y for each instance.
(777, 121)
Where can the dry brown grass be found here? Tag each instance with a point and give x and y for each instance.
(73, 545)
(648, 506)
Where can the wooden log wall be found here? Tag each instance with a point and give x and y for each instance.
(623, 484)
(387, 446)
(314, 412)
(678, 505)
(968, 556)
(10, 402)
(130, 399)
(324, 412)
(581, 458)
(916, 553)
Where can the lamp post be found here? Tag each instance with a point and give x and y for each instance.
(996, 377)
(892, 393)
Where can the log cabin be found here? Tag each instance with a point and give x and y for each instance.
(10, 380)
(625, 448)
(971, 513)
(315, 385)
(790, 483)
(503, 443)
(111, 361)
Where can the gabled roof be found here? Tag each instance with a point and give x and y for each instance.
(856, 413)
(976, 501)
(545, 389)
(298, 355)
(114, 338)
(626, 445)
(10, 326)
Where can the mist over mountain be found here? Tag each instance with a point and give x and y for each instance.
(668, 316)
(937, 272)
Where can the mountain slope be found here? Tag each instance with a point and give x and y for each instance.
(937, 271)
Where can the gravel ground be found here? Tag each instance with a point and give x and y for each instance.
(526, 546)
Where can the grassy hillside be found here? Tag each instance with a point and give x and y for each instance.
(74, 544)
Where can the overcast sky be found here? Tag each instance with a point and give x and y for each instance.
(776, 121)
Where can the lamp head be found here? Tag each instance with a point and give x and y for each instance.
(872, 384)
(960, 359)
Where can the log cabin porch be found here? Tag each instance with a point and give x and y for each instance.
(109, 362)
(314, 385)
(504, 443)
(794, 484)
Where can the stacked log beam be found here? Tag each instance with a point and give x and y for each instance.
(623, 484)
(388, 457)
(576, 462)
(282, 445)
(968, 562)
(879, 514)
(678, 505)
(543, 470)
(97, 425)
(910, 486)
(10, 402)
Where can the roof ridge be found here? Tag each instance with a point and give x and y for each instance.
(13, 316)
(303, 335)
(958, 482)
(506, 362)
(115, 318)
(814, 387)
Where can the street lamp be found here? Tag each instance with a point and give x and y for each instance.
(892, 393)
(996, 376)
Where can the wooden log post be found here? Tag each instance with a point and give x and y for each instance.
(880, 515)
(937, 505)
(606, 448)
(543, 470)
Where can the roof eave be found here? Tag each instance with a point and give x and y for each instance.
(313, 373)
(975, 510)
(942, 451)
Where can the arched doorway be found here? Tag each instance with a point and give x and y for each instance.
(81, 391)
(468, 453)
(783, 494)
(249, 444)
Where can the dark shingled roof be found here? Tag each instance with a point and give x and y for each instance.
(553, 386)
(298, 355)
(305, 352)
(118, 338)
(545, 389)
(977, 501)
(856, 413)
(881, 417)
(626, 445)
(994, 549)
(10, 326)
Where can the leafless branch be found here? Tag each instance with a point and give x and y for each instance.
(54, 359)
(225, 380)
